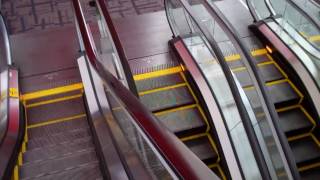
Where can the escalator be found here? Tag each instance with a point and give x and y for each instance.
(58, 142)
(298, 117)
(168, 94)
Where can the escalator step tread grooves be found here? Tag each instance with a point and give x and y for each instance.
(53, 129)
(89, 171)
(244, 78)
(282, 94)
(305, 151)
(57, 165)
(261, 59)
(63, 137)
(42, 154)
(56, 96)
(203, 149)
(311, 174)
(167, 99)
(235, 64)
(159, 82)
(294, 122)
(270, 73)
(61, 109)
(184, 122)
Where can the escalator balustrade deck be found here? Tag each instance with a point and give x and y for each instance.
(167, 93)
(58, 142)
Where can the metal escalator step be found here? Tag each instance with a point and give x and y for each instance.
(33, 170)
(305, 150)
(270, 72)
(167, 99)
(282, 94)
(88, 171)
(158, 82)
(57, 128)
(235, 64)
(311, 174)
(244, 78)
(54, 111)
(184, 122)
(294, 122)
(203, 149)
(69, 136)
(53, 97)
(46, 153)
(261, 58)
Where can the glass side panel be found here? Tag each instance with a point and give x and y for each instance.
(311, 7)
(3, 103)
(260, 8)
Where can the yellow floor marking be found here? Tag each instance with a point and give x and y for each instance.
(162, 89)
(53, 91)
(300, 136)
(311, 166)
(54, 100)
(259, 52)
(233, 57)
(175, 109)
(158, 73)
(57, 121)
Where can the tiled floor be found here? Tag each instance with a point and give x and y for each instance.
(28, 15)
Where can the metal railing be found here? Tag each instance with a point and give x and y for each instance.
(182, 161)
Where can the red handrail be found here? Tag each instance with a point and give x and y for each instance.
(185, 163)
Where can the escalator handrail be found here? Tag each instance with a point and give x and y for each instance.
(178, 156)
(102, 7)
(5, 36)
(270, 106)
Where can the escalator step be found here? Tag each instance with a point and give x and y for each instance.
(261, 59)
(311, 174)
(203, 149)
(184, 122)
(305, 150)
(159, 82)
(167, 99)
(282, 94)
(32, 170)
(88, 171)
(54, 111)
(57, 128)
(56, 139)
(235, 64)
(294, 122)
(46, 153)
(244, 78)
(270, 72)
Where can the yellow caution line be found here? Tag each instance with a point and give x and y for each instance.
(311, 166)
(158, 73)
(162, 89)
(300, 136)
(56, 121)
(233, 57)
(288, 108)
(53, 101)
(259, 52)
(53, 91)
(175, 109)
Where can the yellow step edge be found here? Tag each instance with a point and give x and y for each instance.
(233, 57)
(53, 91)
(142, 93)
(315, 139)
(314, 38)
(175, 109)
(211, 166)
(15, 173)
(195, 136)
(288, 108)
(280, 81)
(56, 121)
(238, 69)
(53, 100)
(259, 52)
(265, 63)
(311, 166)
(310, 118)
(158, 73)
(300, 136)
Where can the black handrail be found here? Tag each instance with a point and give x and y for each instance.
(237, 97)
(177, 155)
(270, 106)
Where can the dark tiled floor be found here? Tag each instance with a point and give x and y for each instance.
(28, 15)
